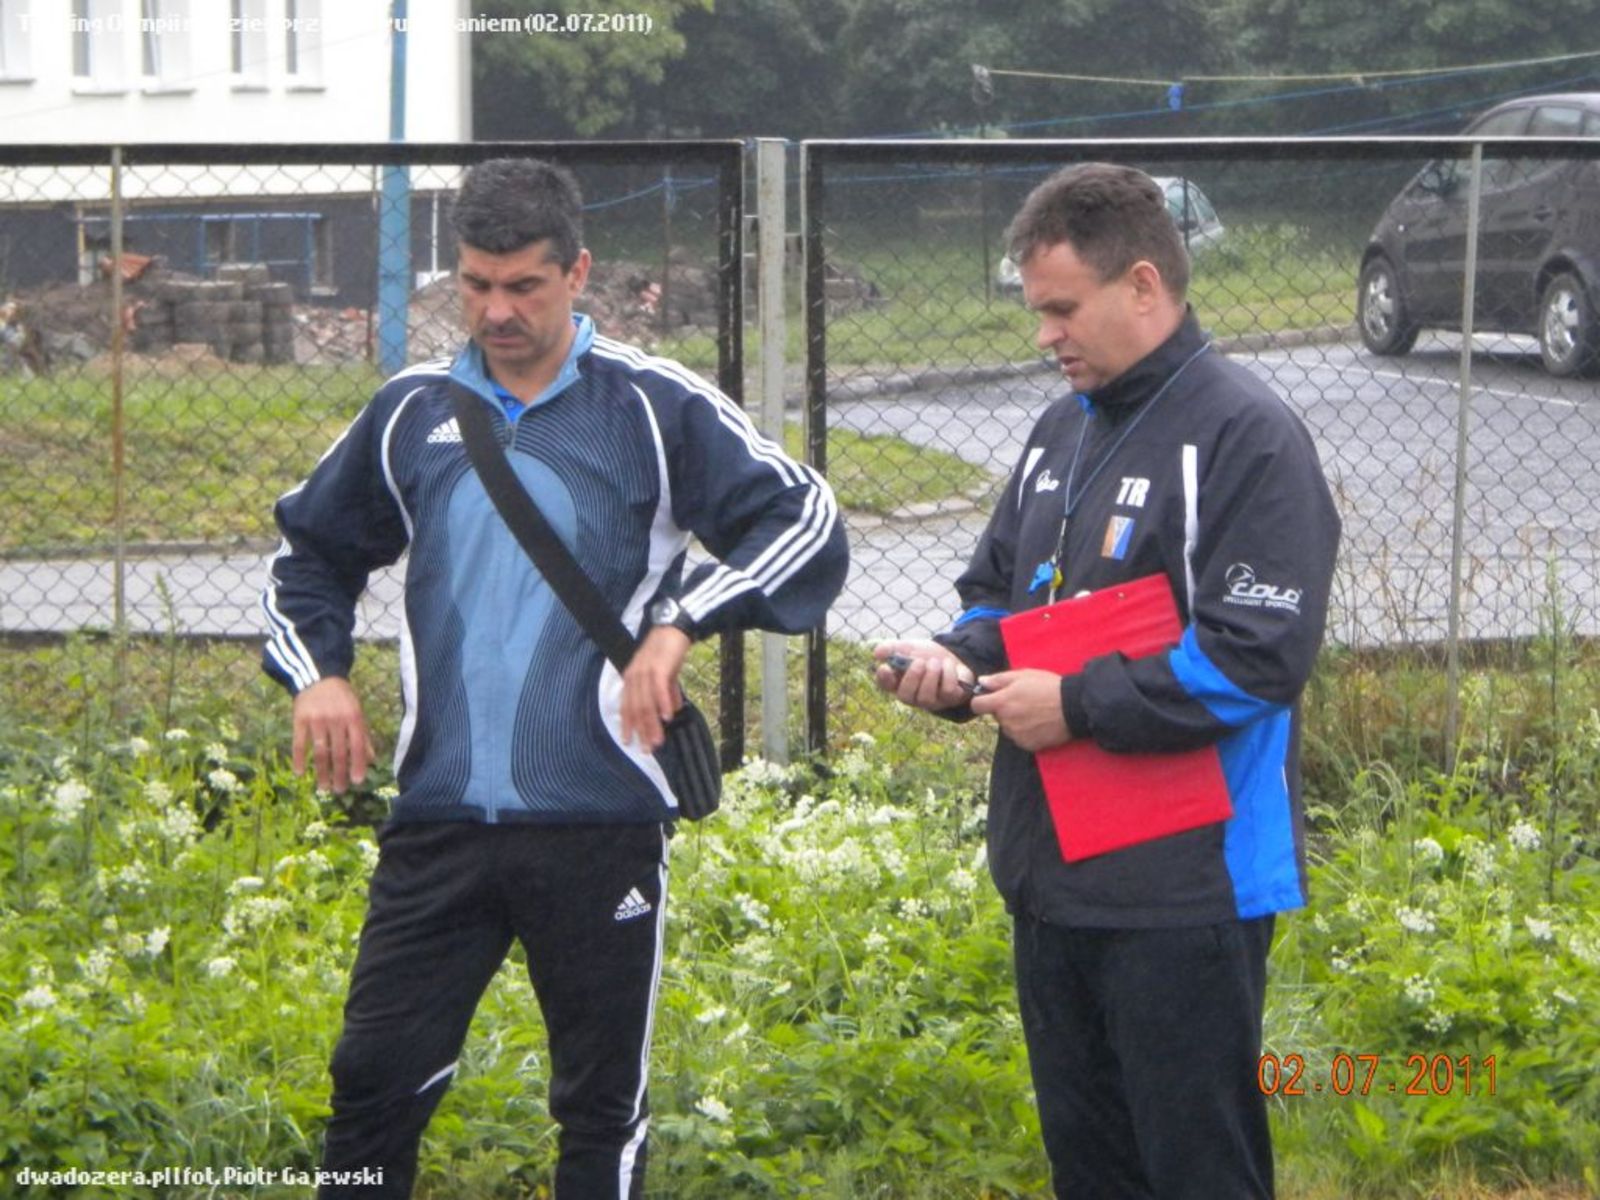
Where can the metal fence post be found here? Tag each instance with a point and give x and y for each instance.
(1452, 712)
(119, 532)
(730, 378)
(816, 421)
(773, 216)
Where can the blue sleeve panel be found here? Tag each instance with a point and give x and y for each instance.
(1199, 676)
(981, 613)
(1259, 842)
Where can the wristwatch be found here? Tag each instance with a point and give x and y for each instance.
(668, 611)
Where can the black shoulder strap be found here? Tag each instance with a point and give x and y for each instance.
(542, 544)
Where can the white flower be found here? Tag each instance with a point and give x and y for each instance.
(138, 746)
(1338, 961)
(1414, 919)
(754, 911)
(1427, 850)
(1420, 990)
(369, 853)
(227, 731)
(224, 781)
(178, 824)
(1585, 948)
(388, 792)
(315, 831)
(707, 1016)
(1524, 835)
(1439, 1021)
(1480, 861)
(874, 943)
(40, 997)
(176, 735)
(156, 942)
(67, 799)
(253, 912)
(913, 909)
(781, 988)
(220, 967)
(96, 967)
(713, 1109)
(759, 772)
(863, 739)
(216, 753)
(132, 876)
(158, 793)
(962, 881)
(1540, 931)
(737, 1035)
(980, 858)
(246, 883)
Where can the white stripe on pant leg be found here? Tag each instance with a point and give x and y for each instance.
(436, 1077)
(630, 1152)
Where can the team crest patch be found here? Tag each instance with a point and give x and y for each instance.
(1118, 534)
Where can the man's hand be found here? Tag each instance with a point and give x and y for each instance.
(329, 724)
(1027, 707)
(932, 681)
(650, 691)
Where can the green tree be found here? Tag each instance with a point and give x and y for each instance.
(579, 84)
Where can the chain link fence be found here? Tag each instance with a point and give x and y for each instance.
(923, 378)
(185, 330)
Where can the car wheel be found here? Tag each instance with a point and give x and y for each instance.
(1386, 328)
(1569, 340)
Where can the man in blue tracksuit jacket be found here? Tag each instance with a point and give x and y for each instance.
(1141, 972)
(530, 804)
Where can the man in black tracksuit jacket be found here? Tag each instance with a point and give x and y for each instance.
(1141, 972)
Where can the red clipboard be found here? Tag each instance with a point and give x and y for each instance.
(1101, 801)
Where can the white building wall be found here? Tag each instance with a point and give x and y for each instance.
(339, 93)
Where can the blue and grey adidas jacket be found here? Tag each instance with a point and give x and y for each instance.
(511, 712)
(1215, 484)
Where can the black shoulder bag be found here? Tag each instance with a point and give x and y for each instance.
(688, 757)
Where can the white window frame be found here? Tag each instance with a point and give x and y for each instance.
(166, 41)
(97, 31)
(16, 59)
(302, 48)
(248, 48)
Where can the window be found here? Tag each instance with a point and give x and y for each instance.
(1551, 121)
(164, 40)
(14, 59)
(150, 36)
(97, 28)
(302, 50)
(82, 62)
(248, 28)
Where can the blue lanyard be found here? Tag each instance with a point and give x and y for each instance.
(1072, 501)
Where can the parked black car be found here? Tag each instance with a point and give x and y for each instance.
(1538, 246)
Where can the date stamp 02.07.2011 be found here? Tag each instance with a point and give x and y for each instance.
(1364, 1074)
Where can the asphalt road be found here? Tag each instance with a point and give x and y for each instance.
(1386, 429)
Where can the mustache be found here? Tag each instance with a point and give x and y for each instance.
(504, 327)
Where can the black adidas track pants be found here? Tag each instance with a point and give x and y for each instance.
(446, 899)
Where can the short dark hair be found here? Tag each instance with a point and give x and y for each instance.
(505, 204)
(1112, 215)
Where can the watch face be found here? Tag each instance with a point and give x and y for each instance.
(665, 612)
